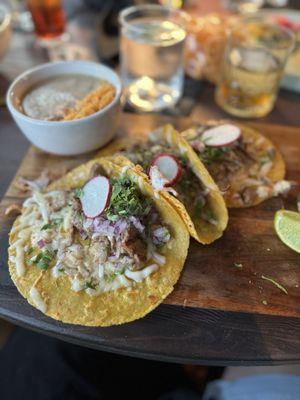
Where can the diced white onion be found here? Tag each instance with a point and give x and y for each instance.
(76, 285)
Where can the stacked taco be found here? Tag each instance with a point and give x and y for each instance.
(176, 172)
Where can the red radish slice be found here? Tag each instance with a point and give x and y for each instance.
(222, 135)
(96, 196)
(169, 167)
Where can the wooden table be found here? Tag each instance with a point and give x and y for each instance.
(170, 333)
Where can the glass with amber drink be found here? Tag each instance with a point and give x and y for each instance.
(254, 61)
(48, 17)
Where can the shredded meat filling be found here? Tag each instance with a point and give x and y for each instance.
(133, 245)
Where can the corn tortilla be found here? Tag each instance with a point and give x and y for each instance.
(115, 307)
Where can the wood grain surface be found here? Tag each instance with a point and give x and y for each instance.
(210, 278)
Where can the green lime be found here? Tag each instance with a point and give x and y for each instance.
(287, 227)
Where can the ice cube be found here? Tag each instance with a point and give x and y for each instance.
(253, 59)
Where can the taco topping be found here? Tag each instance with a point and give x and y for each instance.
(95, 196)
(220, 136)
(239, 165)
(169, 166)
(103, 236)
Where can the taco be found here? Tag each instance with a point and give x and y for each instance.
(246, 165)
(175, 171)
(96, 248)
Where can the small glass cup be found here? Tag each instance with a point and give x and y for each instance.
(254, 61)
(152, 41)
(244, 6)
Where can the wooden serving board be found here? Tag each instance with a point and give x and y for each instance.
(210, 279)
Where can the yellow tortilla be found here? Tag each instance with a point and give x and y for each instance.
(275, 174)
(201, 230)
(115, 307)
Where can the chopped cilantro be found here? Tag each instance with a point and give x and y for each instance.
(57, 221)
(43, 259)
(30, 250)
(110, 277)
(78, 192)
(209, 216)
(29, 261)
(126, 200)
(80, 215)
(90, 285)
(46, 226)
(121, 272)
(183, 161)
(61, 269)
(54, 222)
(211, 154)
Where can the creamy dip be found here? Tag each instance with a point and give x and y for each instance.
(49, 99)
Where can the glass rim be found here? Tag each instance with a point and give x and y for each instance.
(289, 33)
(148, 8)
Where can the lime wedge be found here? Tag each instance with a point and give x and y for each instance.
(287, 227)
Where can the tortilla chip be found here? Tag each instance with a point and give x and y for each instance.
(276, 173)
(115, 307)
(203, 231)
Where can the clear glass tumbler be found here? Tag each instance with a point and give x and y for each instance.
(254, 61)
(152, 40)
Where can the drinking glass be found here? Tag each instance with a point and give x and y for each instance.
(152, 40)
(254, 61)
(48, 18)
(245, 6)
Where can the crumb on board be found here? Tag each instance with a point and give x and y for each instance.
(265, 303)
(278, 285)
(238, 265)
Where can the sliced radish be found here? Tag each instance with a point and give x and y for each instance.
(169, 167)
(222, 135)
(95, 197)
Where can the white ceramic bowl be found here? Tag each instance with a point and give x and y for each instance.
(66, 137)
(5, 30)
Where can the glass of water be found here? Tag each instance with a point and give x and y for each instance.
(254, 61)
(152, 41)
